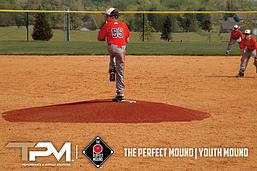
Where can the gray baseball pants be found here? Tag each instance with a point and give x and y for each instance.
(248, 53)
(117, 59)
(233, 41)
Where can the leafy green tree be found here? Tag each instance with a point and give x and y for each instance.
(188, 23)
(207, 26)
(20, 19)
(148, 36)
(6, 18)
(133, 20)
(216, 21)
(179, 26)
(189, 20)
(42, 29)
(201, 17)
(167, 29)
(248, 22)
(75, 19)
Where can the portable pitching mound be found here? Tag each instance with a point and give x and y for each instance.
(105, 111)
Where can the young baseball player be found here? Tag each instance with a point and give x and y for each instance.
(251, 45)
(235, 36)
(117, 34)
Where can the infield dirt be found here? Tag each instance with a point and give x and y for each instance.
(203, 83)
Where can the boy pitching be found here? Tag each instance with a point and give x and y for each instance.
(117, 34)
(235, 36)
(251, 45)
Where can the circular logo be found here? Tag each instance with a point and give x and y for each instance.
(98, 148)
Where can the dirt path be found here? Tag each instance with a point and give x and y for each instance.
(202, 83)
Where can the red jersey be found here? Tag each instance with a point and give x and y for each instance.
(250, 45)
(236, 34)
(116, 33)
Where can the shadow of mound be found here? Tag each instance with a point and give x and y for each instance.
(105, 111)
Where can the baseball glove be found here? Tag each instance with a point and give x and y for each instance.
(255, 63)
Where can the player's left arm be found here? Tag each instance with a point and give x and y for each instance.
(101, 34)
(242, 46)
(127, 34)
(243, 54)
(241, 35)
(99, 38)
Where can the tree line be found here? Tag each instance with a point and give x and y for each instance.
(181, 22)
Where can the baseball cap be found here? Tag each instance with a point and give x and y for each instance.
(236, 26)
(247, 31)
(112, 12)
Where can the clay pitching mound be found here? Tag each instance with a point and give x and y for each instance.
(105, 111)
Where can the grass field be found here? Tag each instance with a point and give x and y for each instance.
(99, 48)
(14, 42)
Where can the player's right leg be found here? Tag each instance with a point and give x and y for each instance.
(244, 63)
(230, 46)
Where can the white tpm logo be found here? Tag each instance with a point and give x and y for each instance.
(48, 145)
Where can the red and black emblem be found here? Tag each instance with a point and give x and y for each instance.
(97, 152)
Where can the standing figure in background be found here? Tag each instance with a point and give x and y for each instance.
(235, 36)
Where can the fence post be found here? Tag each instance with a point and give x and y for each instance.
(64, 25)
(27, 25)
(143, 27)
(68, 26)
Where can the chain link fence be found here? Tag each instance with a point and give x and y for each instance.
(17, 25)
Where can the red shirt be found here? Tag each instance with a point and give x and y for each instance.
(116, 33)
(250, 45)
(236, 34)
